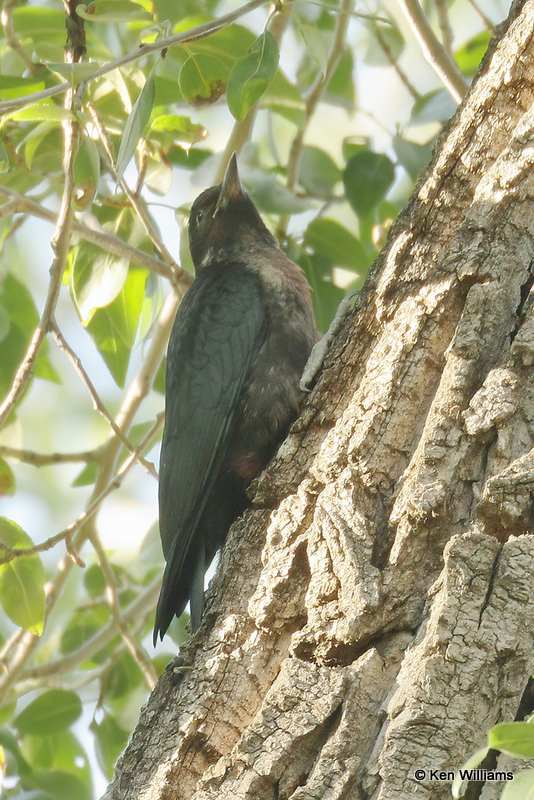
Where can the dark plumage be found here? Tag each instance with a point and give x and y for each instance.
(240, 341)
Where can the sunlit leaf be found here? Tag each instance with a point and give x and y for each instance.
(135, 126)
(472, 763)
(74, 73)
(113, 11)
(39, 23)
(469, 56)
(181, 127)
(21, 580)
(96, 278)
(86, 172)
(202, 79)
(521, 787)
(42, 111)
(251, 75)
(14, 86)
(114, 327)
(513, 738)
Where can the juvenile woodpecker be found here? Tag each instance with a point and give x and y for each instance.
(240, 341)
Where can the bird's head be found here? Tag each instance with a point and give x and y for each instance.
(224, 223)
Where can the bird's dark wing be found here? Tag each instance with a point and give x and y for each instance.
(218, 331)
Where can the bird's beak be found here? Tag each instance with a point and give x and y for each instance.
(230, 187)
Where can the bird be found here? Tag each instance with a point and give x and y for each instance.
(239, 344)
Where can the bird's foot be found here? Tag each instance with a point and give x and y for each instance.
(319, 350)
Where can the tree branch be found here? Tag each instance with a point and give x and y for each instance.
(434, 52)
(96, 235)
(97, 402)
(135, 201)
(46, 459)
(137, 390)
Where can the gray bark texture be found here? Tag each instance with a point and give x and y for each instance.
(374, 612)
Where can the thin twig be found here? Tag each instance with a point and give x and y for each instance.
(60, 245)
(316, 93)
(386, 49)
(95, 397)
(12, 40)
(135, 201)
(447, 35)
(198, 32)
(486, 20)
(137, 652)
(95, 235)
(242, 129)
(434, 52)
(20, 552)
(46, 459)
(142, 604)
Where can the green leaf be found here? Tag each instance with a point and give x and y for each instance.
(81, 626)
(62, 785)
(21, 581)
(318, 172)
(74, 73)
(457, 788)
(86, 172)
(113, 11)
(513, 738)
(58, 751)
(87, 476)
(114, 327)
(283, 98)
(7, 478)
(328, 237)
(12, 86)
(18, 304)
(251, 75)
(159, 175)
(181, 127)
(53, 711)
(110, 741)
(202, 79)
(39, 23)
(135, 125)
(274, 198)
(521, 788)
(96, 278)
(437, 106)
(392, 44)
(469, 56)
(367, 177)
(411, 155)
(340, 90)
(42, 111)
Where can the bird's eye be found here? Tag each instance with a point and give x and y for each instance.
(198, 216)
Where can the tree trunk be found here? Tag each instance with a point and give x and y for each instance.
(380, 619)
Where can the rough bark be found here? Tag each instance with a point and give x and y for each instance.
(381, 617)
